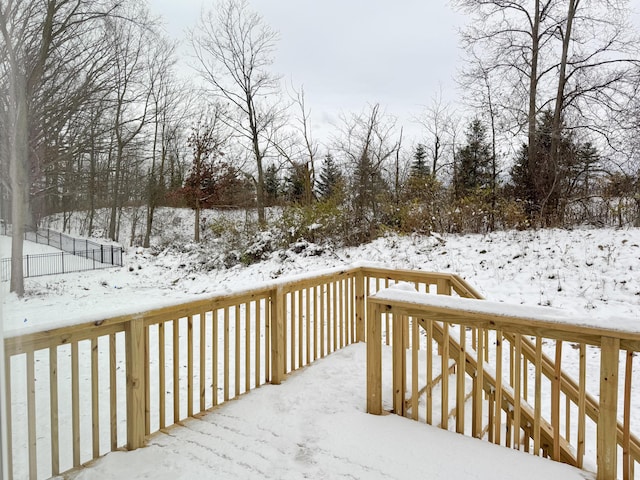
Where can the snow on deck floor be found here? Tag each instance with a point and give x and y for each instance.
(314, 425)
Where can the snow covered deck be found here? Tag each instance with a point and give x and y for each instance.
(314, 425)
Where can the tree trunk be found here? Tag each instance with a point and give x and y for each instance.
(18, 172)
(532, 113)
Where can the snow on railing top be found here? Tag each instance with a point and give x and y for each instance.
(405, 293)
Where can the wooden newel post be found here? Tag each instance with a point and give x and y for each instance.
(607, 416)
(374, 359)
(277, 336)
(135, 383)
(360, 319)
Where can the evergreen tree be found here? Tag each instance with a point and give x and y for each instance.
(473, 171)
(546, 191)
(420, 184)
(294, 183)
(419, 167)
(271, 186)
(330, 181)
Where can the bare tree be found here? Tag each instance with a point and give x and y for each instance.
(367, 142)
(298, 147)
(571, 57)
(234, 47)
(47, 47)
(131, 44)
(437, 120)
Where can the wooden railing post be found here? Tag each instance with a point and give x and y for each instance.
(277, 336)
(607, 416)
(135, 383)
(360, 319)
(374, 359)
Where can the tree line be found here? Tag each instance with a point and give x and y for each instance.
(93, 115)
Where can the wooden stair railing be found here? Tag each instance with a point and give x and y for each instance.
(567, 452)
(521, 417)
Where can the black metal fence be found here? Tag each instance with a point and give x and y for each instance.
(77, 255)
(56, 263)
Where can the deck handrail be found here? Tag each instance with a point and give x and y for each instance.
(510, 321)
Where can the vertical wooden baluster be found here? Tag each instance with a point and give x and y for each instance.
(429, 379)
(460, 382)
(31, 416)
(498, 397)
(444, 378)
(53, 394)
(247, 347)
(176, 370)
(322, 320)
(225, 357)
(162, 389)
(203, 362)
(555, 401)
(525, 378)
(95, 405)
(269, 310)
(190, 366)
(314, 296)
(277, 334)
(258, 353)
(214, 357)
(75, 404)
(307, 343)
(567, 418)
(517, 395)
(361, 288)
(292, 314)
(415, 342)
(300, 310)
(480, 382)
(399, 376)
(538, 397)
(113, 392)
(147, 383)
(581, 406)
(350, 312)
(237, 343)
(607, 414)
(334, 310)
(627, 460)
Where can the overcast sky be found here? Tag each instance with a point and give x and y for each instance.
(348, 53)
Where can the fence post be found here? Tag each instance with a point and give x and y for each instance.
(101, 253)
(277, 329)
(607, 415)
(135, 383)
(360, 312)
(374, 359)
(62, 257)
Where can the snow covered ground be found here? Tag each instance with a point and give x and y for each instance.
(314, 426)
(314, 423)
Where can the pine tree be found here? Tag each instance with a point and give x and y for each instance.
(330, 181)
(271, 186)
(473, 172)
(419, 167)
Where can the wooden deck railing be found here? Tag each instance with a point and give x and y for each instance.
(75, 393)
(491, 395)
